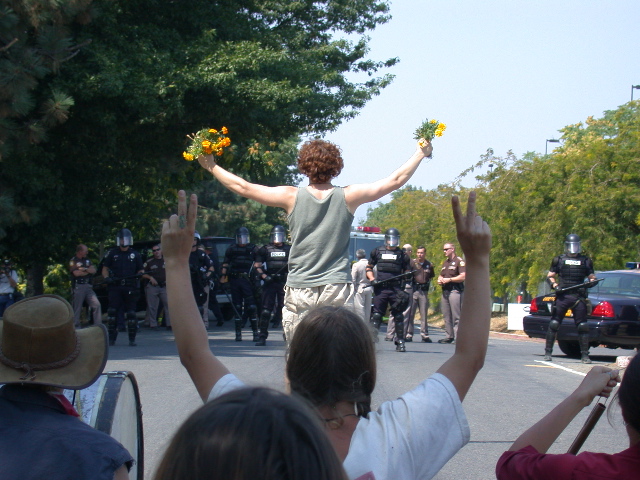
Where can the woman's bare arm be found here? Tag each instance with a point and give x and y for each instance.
(358, 194)
(282, 196)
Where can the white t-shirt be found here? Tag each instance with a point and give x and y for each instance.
(410, 438)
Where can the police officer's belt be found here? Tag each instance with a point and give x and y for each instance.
(238, 275)
(82, 281)
(126, 282)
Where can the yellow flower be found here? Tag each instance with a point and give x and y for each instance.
(213, 130)
(224, 130)
(219, 153)
(187, 156)
(433, 121)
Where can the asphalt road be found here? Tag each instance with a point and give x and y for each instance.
(514, 389)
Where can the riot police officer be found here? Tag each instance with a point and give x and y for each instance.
(388, 289)
(122, 268)
(572, 267)
(272, 267)
(201, 268)
(236, 270)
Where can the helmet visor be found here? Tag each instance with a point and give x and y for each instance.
(242, 239)
(392, 240)
(124, 240)
(572, 247)
(277, 237)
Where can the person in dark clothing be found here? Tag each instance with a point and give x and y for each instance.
(201, 268)
(237, 269)
(122, 268)
(572, 267)
(388, 288)
(272, 266)
(41, 435)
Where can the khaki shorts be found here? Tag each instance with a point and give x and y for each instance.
(298, 302)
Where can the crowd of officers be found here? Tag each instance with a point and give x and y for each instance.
(254, 277)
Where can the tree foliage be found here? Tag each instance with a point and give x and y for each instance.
(125, 81)
(588, 186)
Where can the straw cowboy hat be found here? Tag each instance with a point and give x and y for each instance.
(40, 346)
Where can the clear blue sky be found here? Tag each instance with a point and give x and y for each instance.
(504, 74)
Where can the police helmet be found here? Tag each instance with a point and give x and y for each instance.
(197, 238)
(278, 234)
(124, 238)
(572, 244)
(392, 237)
(242, 236)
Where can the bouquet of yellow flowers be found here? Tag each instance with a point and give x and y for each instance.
(207, 141)
(429, 129)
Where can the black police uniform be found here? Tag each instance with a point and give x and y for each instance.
(214, 306)
(124, 290)
(275, 260)
(390, 263)
(572, 270)
(238, 266)
(199, 266)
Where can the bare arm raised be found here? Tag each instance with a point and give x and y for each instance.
(599, 381)
(356, 195)
(474, 236)
(282, 196)
(191, 337)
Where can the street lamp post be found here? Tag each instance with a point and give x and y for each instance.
(552, 140)
(632, 88)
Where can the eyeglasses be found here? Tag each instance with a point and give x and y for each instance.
(447, 249)
(337, 422)
(156, 249)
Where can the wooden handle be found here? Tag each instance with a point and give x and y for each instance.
(593, 418)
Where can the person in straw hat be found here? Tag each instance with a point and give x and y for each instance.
(41, 436)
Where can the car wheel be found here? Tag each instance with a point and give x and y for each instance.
(570, 349)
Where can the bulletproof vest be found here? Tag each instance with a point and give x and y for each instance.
(124, 264)
(277, 258)
(573, 270)
(390, 261)
(240, 258)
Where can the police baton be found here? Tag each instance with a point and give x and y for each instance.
(222, 286)
(590, 283)
(397, 277)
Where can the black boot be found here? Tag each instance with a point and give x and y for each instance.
(399, 321)
(238, 324)
(583, 340)
(112, 328)
(254, 328)
(263, 326)
(548, 348)
(132, 330)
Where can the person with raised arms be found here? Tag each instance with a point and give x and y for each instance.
(332, 364)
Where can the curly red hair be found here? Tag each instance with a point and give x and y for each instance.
(320, 161)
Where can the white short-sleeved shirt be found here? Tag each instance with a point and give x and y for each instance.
(411, 437)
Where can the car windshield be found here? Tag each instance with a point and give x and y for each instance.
(622, 283)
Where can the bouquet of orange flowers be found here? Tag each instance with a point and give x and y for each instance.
(207, 141)
(429, 129)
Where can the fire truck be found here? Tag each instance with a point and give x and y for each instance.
(366, 238)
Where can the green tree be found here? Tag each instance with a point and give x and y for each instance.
(146, 72)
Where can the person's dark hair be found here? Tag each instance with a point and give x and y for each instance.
(332, 359)
(629, 394)
(320, 161)
(421, 247)
(248, 434)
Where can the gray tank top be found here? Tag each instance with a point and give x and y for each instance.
(320, 240)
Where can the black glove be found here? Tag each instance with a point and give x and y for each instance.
(267, 280)
(375, 283)
(109, 280)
